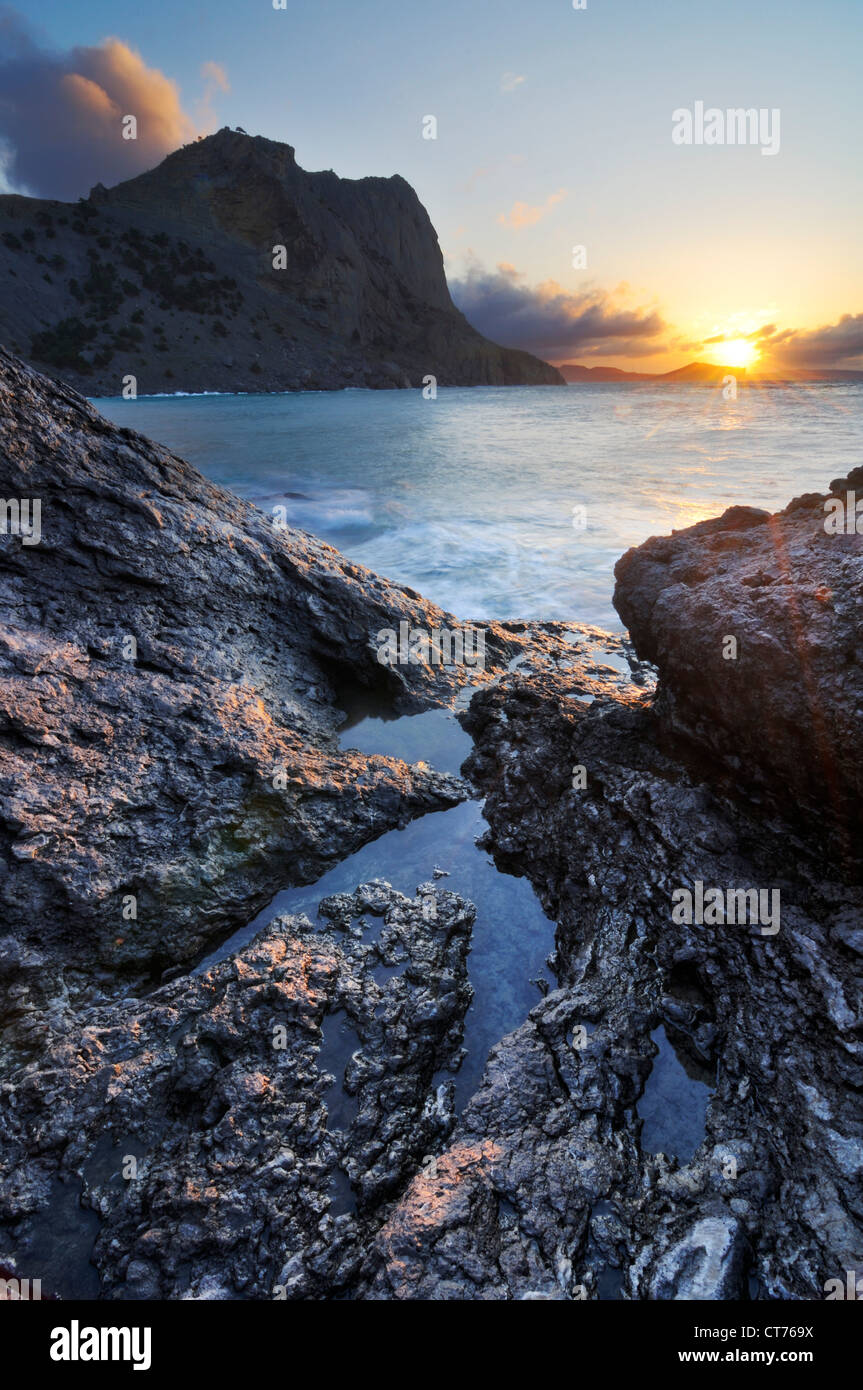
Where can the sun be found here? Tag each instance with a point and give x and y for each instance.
(736, 352)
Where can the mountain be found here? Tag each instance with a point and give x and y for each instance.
(702, 374)
(169, 277)
(698, 373)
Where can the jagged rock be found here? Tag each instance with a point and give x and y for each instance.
(334, 1165)
(226, 1147)
(167, 711)
(174, 277)
(782, 710)
(547, 1188)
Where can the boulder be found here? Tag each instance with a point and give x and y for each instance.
(753, 622)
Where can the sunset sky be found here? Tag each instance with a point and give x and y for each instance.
(554, 131)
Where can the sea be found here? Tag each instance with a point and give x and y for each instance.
(510, 502)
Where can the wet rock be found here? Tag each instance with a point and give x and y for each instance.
(753, 622)
(168, 727)
(547, 1189)
(201, 1121)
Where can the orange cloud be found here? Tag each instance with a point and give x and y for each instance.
(129, 87)
(524, 215)
(61, 116)
(87, 97)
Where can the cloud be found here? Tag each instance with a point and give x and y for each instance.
(215, 80)
(551, 321)
(835, 345)
(523, 215)
(510, 81)
(838, 345)
(61, 113)
(216, 75)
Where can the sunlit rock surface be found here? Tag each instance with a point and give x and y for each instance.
(212, 1128)
(168, 660)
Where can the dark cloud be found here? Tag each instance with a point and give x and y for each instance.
(551, 321)
(835, 345)
(61, 113)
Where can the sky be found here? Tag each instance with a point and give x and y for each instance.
(575, 216)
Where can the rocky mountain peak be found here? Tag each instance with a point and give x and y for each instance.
(229, 267)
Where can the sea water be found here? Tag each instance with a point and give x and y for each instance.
(510, 502)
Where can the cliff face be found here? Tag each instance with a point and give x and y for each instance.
(170, 277)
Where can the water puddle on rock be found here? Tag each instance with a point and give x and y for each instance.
(340, 1042)
(58, 1245)
(674, 1103)
(511, 936)
(434, 737)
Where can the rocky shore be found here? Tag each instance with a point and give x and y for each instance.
(282, 1124)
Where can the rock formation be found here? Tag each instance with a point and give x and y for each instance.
(204, 1126)
(168, 746)
(546, 1189)
(282, 1124)
(754, 624)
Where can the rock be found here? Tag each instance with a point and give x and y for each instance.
(547, 1188)
(226, 1151)
(780, 707)
(168, 727)
(706, 1264)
